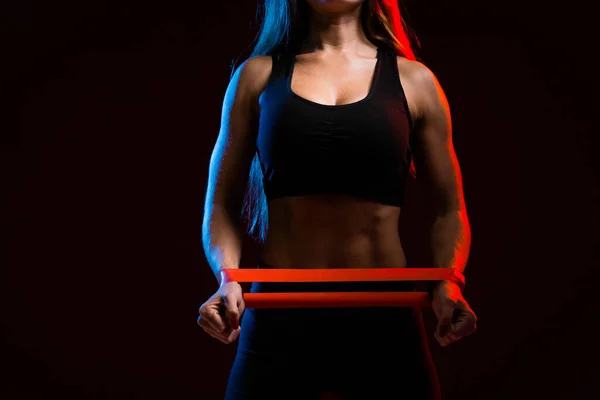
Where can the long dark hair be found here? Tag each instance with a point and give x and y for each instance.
(283, 27)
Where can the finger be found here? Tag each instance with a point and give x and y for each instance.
(445, 321)
(463, 328)
(203, 322)
(458, 331)
(213, 318)
(227, 339)
(228, 335)
(222, 337)
(465, 323)
(471, 328)
(241, 305)
(215, 322)
(232, 315)
(453, 336)
(234, 335)
(443, 341)
(219, 338)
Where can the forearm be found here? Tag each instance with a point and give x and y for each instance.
(451, 240)
(221, 239)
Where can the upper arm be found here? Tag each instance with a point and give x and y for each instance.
(434, 155)
(235, 146)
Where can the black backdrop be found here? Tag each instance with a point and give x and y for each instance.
(111, 112)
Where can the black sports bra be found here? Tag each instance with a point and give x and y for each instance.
(360, 149)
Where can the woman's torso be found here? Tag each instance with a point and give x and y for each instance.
(331, 230)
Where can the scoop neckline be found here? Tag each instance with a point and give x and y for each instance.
(374, 79)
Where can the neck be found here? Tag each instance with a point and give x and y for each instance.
(335, 33)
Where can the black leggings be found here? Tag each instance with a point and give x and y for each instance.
(357, 353)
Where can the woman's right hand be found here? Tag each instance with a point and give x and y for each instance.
(220, 314)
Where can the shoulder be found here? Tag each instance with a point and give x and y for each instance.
(254, 73)
(256, 66)
(250, 78)
(421, 82)
(416, 72)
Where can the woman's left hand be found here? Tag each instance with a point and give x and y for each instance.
(455, 318)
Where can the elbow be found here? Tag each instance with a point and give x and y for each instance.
(452, 209)
(447, 206)
(460, 213)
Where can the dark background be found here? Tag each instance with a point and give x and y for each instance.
(111, 112)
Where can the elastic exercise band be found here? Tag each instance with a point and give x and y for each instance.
(338, 274)
(338, 299)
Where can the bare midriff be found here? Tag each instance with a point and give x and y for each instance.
(332, 231)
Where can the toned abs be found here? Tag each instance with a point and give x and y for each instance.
(332, 231)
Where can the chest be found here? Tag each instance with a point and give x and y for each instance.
(333, 83)
(353, 116)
